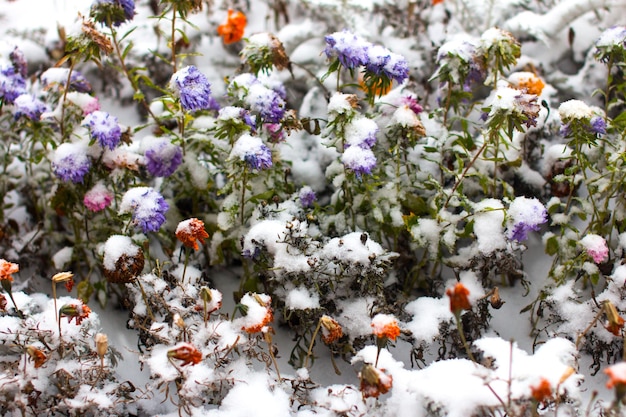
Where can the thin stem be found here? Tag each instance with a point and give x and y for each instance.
(145, 299)
(459, 326)
(310, 351)
(173, 37)
(67, 87)
(467, 168)
(185, 266)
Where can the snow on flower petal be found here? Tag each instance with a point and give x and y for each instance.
(385, 326)
(98, 198)
(162, 157)
(252, 150)
(348, 48)
(190, 232)
(596, 247)
(7, 269)
(525, 215)
(103, 128)
(146, 206)
(193, 88)
(70, 162)
(29, 106)
(358, 160)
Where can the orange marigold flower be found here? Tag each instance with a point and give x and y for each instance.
(459, 298)
(75, 311)
(6, 269)
(374, 381)
(36, 355)
(617, 375)
(385, 326)
(437, 2)
(232, 30)
(187, 353)
(258, 312)
(374, 90)
(528, 81)
(190, 231)
(541, 391)
(331, 330)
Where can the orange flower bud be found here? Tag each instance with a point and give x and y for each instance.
(331, 330)
(459, 298)
(374, 381)
(102, 344)
(186, 353)
(36, 355)
(78, 311)
(190, 231)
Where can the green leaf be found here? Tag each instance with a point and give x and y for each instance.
(84, 290)
(552, 246)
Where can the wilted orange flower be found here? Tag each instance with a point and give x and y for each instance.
(258, 312)
(458, 298)
(614, 323)
(186, 353)
(374, 381)
(385, 326)
(257, 327)
(190, 231)
(232, 30)
(331, 330)
(36, 355)
(617, 375)
(437, 2)
(6, 269)
(541, 391)
(78, 311)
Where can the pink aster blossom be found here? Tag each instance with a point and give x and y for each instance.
(98, 198)
(596, 247)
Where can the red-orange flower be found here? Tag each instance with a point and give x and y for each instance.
(459, 298)
(78, 311)
(437, 2)
(232, 30)
(385, 326)
(528, 81)
(190, 231)
(6, 269)
(257, 310)
(37, 356)
(541, 391)
(617, 375)
(374, 381)
(331, 330)
(186, 353)
(257, 327)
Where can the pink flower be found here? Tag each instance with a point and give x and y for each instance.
(596, 247)
(98, 198)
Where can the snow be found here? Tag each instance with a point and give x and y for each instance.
(115, 247)
(302, 299)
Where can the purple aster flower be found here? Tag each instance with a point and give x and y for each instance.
(70, 162)
(266, 102)
(12, 84)
(395, 68)
(597, 125)
(29, 106)
(252, 150)
(611, 44)
(113, 12)
(307, 196)
(525, 215)
(103, 128)
(359, 160)
(163, 158)
(251, 254)
(350, 49)
(361, 131)
(58, 77)
(19, 62)
(565, 130)
(193, 88)
(147, 208)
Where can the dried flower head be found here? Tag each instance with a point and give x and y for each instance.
(185, 352)
(331, 330)
(7, 269)
(374, 381)
(459, 298)
(36, 355)
(232, 30)
(123, 260)
(385, 326)
(102, 344)
(65, 277)
(264, 51)
(258, 312)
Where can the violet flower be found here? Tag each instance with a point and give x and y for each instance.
(12, 84)
(29, 106)
(526, 215)
(193, 88)
(70, 162)
(113, 12)
(19, 62)
(103, 128)
(163, 158)
(146, 206)
(307, 196)
(348, 48)
(359, 160)
(266, 102)
(253, 151)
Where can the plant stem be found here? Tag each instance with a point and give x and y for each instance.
(310, 351)
(459, 326)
